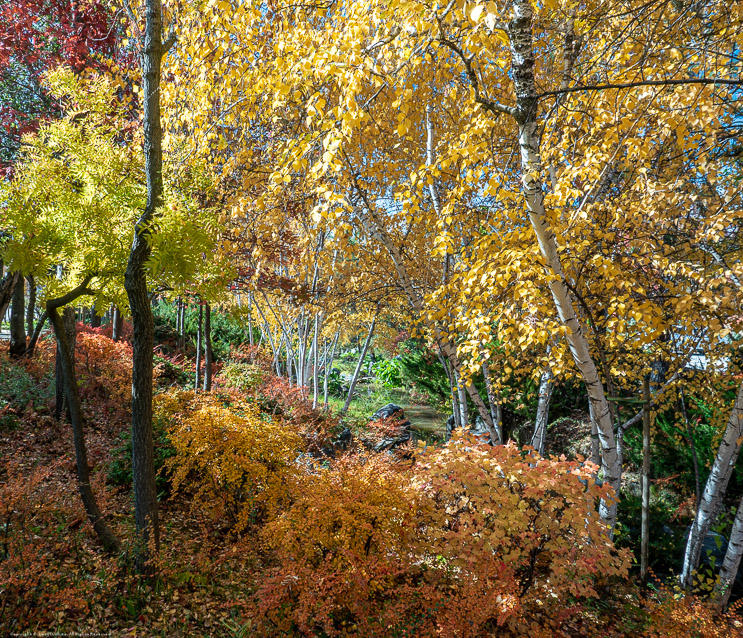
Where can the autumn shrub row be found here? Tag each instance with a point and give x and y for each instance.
(463, 540)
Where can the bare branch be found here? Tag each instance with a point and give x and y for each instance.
(630, 85)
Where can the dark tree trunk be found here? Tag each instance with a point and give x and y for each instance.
(7, 286)
(208, 357)
(95, 318)
(66, 349)
(199, 339)
(117, 323)
(17, 321)
(135, 283)
(70, 327)
(31, 309)
(35, 336)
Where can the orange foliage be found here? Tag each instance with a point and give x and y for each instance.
(674, 615)
(41, 578)
(471, 539)
(104, 372)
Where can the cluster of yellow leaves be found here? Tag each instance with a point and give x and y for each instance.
(237, 462)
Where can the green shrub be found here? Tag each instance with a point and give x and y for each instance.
(120, 468)
(20, 390)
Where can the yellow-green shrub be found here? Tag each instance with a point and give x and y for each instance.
(238, 462)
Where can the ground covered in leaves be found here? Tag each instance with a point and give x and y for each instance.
(270, 528)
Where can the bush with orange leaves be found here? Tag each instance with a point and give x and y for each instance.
(674, 614)
(238, 462)
(46, 572)
(104, 372)
(472, 539)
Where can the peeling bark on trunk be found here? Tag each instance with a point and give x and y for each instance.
(539, 437)
(714, 490)
(522, 55)
(731, 562)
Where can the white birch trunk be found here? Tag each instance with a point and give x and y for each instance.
(315, 379)
(543, 411)
(731, 562)
(359, 364)
(464, 417)
(714, 490)
(495, 407)
(522, 56)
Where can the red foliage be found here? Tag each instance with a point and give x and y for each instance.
(39, 35)
(40, 571)
(104, 372)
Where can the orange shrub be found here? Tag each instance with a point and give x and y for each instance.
(44, 572)
(104, 371)
(473, 539)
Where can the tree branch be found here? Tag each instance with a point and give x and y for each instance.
(488, 104)
(630, 85)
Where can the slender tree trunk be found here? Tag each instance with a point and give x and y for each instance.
(95, 318)
(208, 356)
(328, 368)
(464, 413)
(69, 323)
(714, 490)
(65, 348)
(199, 347)
(645, 521)
(31, 309)
(315, 362)
(17, 320)
(452, 391)
(36, 334)
(693, 448)
(493, 404)
(539, 437)
(7, 287)
(184, 307)
(135, 283)
(522, 66)
(731, 562)
(117, 324)
(250, 319)
(359, 365)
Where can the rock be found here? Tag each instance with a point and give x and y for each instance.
(400, 423)
(388, 411)
(392, 442)
(344, 440)
(451, 424)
